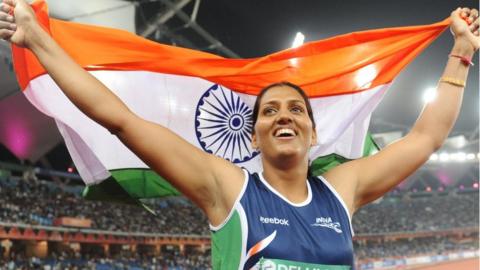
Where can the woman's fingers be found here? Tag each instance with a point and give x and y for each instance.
(6, 33)
(474, 26)
(6, 17)
(6, 7)
(465, 12)
(7, 25)
(10, 2)
(472, 16)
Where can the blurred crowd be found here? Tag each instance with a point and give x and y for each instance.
(178, 216)
(39, 202)
(407, 247)
(432, 213)
(133, 261)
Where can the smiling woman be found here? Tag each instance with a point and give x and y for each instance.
(281, 216)
(283, 127)
(284, 131)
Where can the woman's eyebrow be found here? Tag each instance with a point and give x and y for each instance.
(271, 102)
(276, 101)
(296, 101)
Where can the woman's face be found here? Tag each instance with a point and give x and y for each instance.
(283, 128)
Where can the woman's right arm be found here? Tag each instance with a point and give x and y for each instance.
(195, 173)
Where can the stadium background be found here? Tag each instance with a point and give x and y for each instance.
(431, 218)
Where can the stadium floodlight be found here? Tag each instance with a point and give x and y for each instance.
(470, 156)
(475, 185)
(444, 157)
(460, 156)
(452, 157)
(297, 41)
(429, 95)
(457, 142)
(299, 38)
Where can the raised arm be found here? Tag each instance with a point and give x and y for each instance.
(196, 174)
(367, 179)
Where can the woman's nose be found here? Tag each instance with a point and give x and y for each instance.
(284, 117)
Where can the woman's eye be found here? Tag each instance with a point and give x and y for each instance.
(297, 109)
(269, 111)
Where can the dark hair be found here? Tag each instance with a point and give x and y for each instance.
(295, 87)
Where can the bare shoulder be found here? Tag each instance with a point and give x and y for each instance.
(343, 179)
(230, 180)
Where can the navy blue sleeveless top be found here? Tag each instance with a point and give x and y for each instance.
(274, 233)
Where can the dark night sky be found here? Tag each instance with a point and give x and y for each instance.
(255, 28)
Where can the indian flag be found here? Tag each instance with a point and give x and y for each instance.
(208, 99)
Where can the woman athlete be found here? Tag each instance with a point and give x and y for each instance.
(281, 218)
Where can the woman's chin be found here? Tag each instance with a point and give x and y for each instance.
(289, 152)
(285, 153)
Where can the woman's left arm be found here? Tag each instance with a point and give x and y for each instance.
(374, 176)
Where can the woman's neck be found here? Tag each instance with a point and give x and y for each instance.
(290, 181)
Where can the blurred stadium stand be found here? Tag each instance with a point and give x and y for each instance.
(404, 224)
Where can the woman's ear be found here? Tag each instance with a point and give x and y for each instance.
(254, 141)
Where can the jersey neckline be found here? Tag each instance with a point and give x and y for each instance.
(272, 189)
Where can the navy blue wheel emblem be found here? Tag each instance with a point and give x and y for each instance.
(223, 125)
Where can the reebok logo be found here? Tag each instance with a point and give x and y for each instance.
(274, 220)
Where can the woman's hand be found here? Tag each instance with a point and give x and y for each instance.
(16, 22)
(464, 27)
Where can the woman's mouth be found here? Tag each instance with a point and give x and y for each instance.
(285, 133)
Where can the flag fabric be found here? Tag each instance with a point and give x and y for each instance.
(208, 99)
